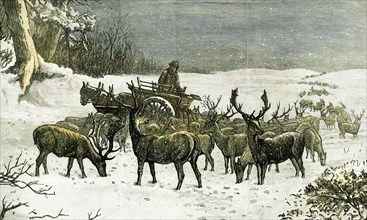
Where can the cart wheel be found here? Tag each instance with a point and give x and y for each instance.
(157, 108)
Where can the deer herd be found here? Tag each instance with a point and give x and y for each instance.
(244, 141)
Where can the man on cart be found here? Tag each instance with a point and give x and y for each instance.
(169, 81)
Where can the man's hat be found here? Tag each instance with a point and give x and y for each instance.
(174, 63)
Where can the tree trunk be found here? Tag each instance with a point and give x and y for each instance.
(25, 51)
(49, 39)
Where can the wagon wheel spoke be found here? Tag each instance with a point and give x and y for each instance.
(157, 108)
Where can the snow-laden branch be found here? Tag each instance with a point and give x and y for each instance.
(64, 16)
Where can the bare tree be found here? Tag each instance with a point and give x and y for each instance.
(27, 61)
(12, 177)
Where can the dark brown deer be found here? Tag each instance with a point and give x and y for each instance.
(351, 128)
(176, 148)
(282, 147)
(66, 143)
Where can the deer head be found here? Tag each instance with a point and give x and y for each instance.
(100, 149)
(251, 120)
(357, 118)
(213, 119)
(300, 110)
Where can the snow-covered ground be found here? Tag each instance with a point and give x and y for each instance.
(116, 195)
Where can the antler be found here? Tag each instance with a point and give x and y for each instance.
(362, 113)
(113, 129)
(95, 136)
(251, 117)
(275, 115)
(227, 115)
(134, 95)
(210, 104)
(359, 116)
(299, 110)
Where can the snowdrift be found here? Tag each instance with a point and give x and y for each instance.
(54, 99)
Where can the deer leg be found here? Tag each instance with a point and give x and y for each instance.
(258, 174)
(123, 144)
(300, 164)
(194, 166)
(306, 152)
(41, 157)
(81, 166)
(152, 171)
(295, 166)
(231, 159)
(140, 172)
(313, 154)
(248, 170)
(269, 168)
(180, 174)
(70, 165)
(206, 163)
(277, 168)
(211, 161)
(226, 159)
(263, 171)
(45, 165)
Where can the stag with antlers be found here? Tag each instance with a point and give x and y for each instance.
(66, 143)
(177, 148)
(278, 149)
(351, 128)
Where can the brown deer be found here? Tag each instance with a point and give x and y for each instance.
(311, 120)
(351, 128)
(280, 148)
(177, 148)
(329, 119)
(231, 145)
(247, 159)
(66, 143)
(312, 141)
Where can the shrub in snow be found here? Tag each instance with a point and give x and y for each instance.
(340, 193)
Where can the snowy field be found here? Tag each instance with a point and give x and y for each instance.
(220, 198)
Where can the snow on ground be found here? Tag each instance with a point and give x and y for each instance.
(116, 195)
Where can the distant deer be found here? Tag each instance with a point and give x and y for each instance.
(319, 106)
(351, 128)
(66, 143)
(342, 115)
(329, 119)
(288, 145)
(312, 120)
(176, 148)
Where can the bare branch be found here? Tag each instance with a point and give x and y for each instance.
(14, 171)
(90, 217)
(49, 216)
(8, 206)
